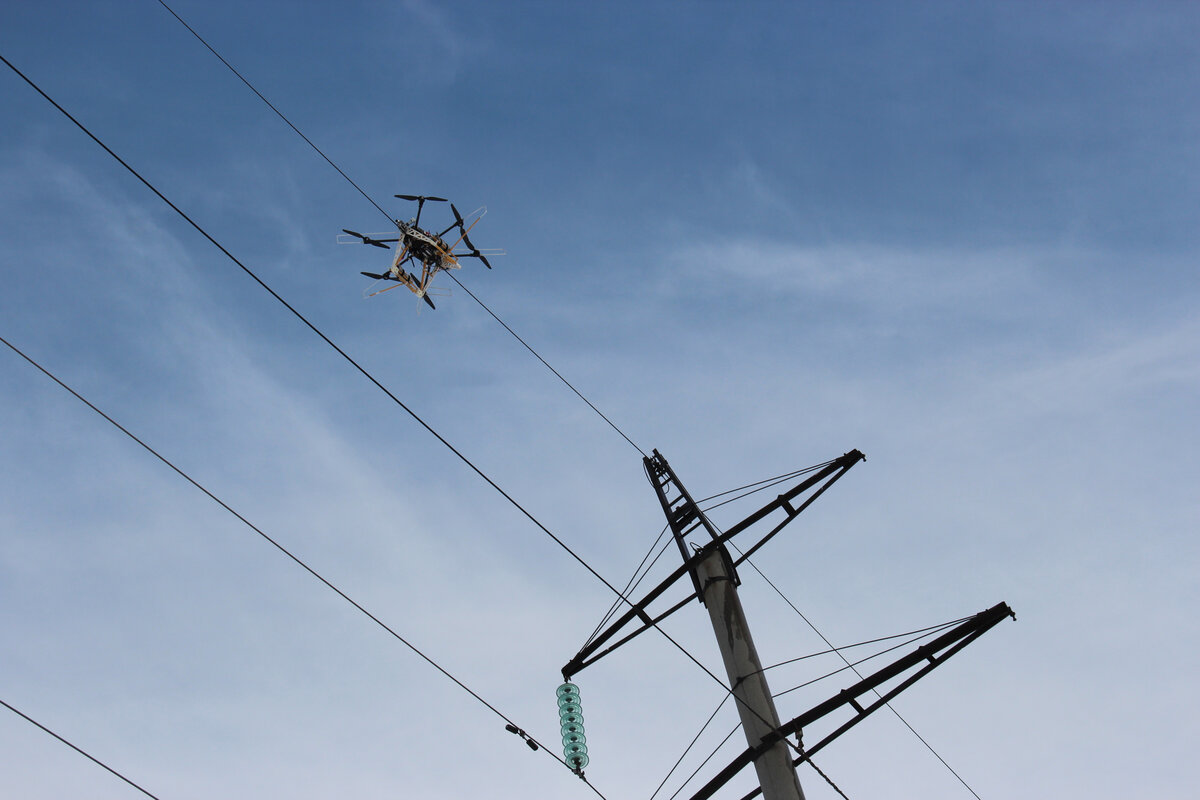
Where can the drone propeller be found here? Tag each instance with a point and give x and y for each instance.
(378, 277)
(480, 256)
(458, 223)
(420, 198)
(366, 239)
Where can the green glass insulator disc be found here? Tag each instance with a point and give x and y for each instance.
(568, 700)
(575, 718)
(574, 738)
(569, 708)
(568, 688)
(574, 749)
(571, 727)
(578, 761)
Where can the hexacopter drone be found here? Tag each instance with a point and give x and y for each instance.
(416, 245)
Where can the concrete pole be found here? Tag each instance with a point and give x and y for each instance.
(775, 772)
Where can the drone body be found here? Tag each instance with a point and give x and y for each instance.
(417, 246)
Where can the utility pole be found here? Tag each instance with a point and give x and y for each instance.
(713, 574)
(715, 578)
(760, 720)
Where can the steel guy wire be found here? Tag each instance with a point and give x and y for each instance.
(77, 749)
(296, 559)
(765, 483)
(634, 582)
(851, 666)
(927, 630)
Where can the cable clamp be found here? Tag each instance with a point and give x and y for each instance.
(525, 737)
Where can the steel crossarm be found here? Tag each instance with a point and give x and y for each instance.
(832, 471)
(682, 515)
(951, 642)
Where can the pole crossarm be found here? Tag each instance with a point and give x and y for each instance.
(951, 642)
(685, 518)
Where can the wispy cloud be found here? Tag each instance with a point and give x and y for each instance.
(891, 277)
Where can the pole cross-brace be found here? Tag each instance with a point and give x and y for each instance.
(684, 517)
(951, 642)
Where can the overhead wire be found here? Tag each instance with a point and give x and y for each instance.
(922, 633)
(299, 133)
(927, 631)
(392, 221)
(348, 358)
(537, 355)
(702, 764)
(273, 542)
(635, 580)
(692, 744)
(770, 482)
(890, 707)
(341, 352)
(78, 749)
(620, 595)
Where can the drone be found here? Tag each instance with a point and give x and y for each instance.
(417, 246)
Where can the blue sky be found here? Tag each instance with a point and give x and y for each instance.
(959, 237)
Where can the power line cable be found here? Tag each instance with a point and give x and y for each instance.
(77, 749)
(275, 544)
(819, 771)
(620, 596)
(922, 633)
(770, 482)
(515, 336)
(635, 580)
(890, 707)
(696, 771)
(927, 631)
(692, 744)
(392, 221)
(317, 331)
(250, 86)
(354, 363)
(544, 361)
